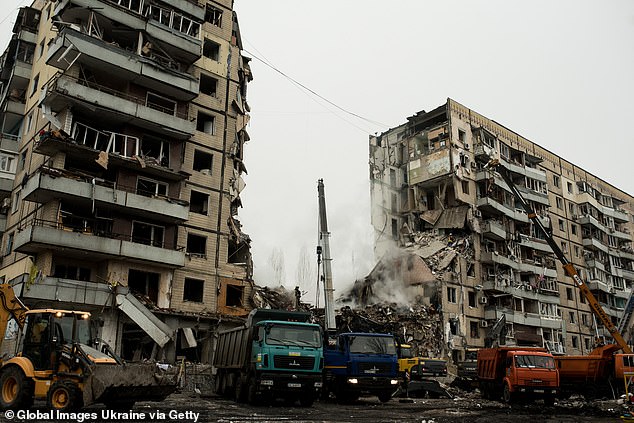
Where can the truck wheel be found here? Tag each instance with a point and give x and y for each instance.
(385, 396)
(239, 392)
(507, 395)
(16, 390)
(63, 395)
(252, 390)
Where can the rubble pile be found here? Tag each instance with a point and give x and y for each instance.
(278, 298)
(419, 325)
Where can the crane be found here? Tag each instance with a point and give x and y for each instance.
(567, 265)
(324, 249)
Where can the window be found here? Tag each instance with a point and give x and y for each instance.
(569, 186)
(575, 342)
(474, 330)
(67, 271)
(562, 226)
(16, 201)
(451, 294)
(572, 316)
(560, 203)
(29, 122)
(150, 188)
(582, 298)
(573, 229)
(556, 181)
(392, 177)
(193, 290)
(9, 247)
(144, 283)
(148, 234)
(203, 161)
(206, 123)
(234, 296)
(394, 229)
(162, 104)
(22, 160)
(211, 50)
(208, 85)
(6, 163)
(394, 203)
(569, 294)
(584, 319)
(213, 15)
(462, 135)
(196, 245)
(465, 187)
(577, 251)
(35, 82)
(472, 299)
(564, 247)
(586, 341)
(198, 202)
(40, 52)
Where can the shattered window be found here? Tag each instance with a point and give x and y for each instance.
(211, 50)
(213, 15)
(199, 202)
(451, 295)
(196, 245)
(193, 290)
(234, 296)
(203, 161)
(208, 85)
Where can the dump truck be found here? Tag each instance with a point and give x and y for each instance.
(361, 364)
(60, 360)
(600, 372)
(514, 373)
(275, 354)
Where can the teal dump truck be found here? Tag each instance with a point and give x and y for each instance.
(275, 354)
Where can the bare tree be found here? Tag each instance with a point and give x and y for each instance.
(276, 260)
(304, 272)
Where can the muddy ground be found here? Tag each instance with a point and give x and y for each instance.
(188, 408)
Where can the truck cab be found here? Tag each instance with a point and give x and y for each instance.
(361, 363)
(427, 367)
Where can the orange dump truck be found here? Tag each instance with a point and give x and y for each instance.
(517, 372)
(597, 375)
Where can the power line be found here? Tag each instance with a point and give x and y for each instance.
(276, 69)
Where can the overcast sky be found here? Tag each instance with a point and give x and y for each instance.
(560, 73)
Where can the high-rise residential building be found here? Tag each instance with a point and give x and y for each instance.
(436, 203)
(121, 155)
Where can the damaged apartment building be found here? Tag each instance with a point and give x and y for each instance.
(123, 129)
(474, 253)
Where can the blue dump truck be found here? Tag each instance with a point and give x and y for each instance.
(361, 364)
(275, 354)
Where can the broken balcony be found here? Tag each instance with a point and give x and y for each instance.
(178, 34)
(522, 318)
(67, 290)
(619, 215)
(527, 171)
(493, 206)
(151, 112)
(624, 273)
(52, 184)
(93, 240)
(91, 52)
(501, 286)
(594, 244)
(493, 229)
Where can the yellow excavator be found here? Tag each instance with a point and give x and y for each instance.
(58, 359)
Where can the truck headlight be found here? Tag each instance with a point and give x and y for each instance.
(353, 380)
(318, 384)
(266, 382)
(394, 381)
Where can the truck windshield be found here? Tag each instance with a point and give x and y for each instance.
(406, 352)
(304, 336)
(534, 361)
(372, 345)
(65, 325)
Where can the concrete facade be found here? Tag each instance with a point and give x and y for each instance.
(122, 136)
(431, 192)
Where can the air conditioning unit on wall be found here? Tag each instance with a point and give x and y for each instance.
(484, 300)
(484, 324)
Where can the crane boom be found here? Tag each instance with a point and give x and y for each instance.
(567, 265)
(324, 242)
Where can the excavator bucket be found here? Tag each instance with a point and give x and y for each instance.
(127, 383)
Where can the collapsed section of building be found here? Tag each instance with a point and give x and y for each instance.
(466, 247)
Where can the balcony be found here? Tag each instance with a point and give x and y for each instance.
(38, 235)
(492, 206)
(595, 244)
(597, 285)
(521, 291)
(94, 53)
(494, 230)
(51, 184)
(624, 273)
(534, 196)
(521, 318)
(530, 172)
(618, 215)
(68, 290)
(112, 105)
(494, 257)
(536, 268)
(535, 244)
(178, 41)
